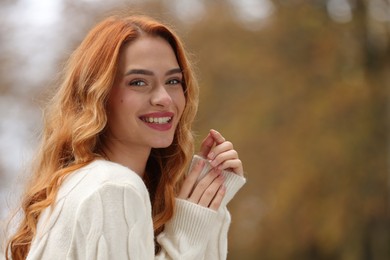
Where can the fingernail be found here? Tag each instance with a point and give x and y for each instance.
(213, 163)
(211, 156)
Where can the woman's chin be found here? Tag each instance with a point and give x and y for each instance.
(162, 144)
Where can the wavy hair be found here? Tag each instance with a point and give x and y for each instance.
(75, 121)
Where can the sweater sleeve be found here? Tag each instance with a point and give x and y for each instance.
(196, 232)
(113, 223)
(184, 236)
(217, 246)
(233, 182)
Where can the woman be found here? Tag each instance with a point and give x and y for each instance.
(110, 177)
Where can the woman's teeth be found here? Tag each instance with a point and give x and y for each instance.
(156, 120)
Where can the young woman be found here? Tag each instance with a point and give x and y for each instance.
(110, 179)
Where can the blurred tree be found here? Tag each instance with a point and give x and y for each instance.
(304, 99)
(296, 99)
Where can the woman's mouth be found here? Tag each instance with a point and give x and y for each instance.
(157, 120)
(161, 121)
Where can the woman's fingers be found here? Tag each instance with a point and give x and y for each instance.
(222, 156)
(219, 139)
(234, 165)
(191, 179)
(206, 146)
(216, 202)
(204, 185)
(213, 138)
(223, 147)
(228, 161)
(212, 190)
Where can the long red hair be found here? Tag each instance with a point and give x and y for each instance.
(76, 118)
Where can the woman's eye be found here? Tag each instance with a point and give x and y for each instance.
(174, 82)
(137, 83)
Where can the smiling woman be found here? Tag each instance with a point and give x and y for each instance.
(109, 180)
(147, 97)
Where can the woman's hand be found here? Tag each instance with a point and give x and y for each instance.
(221, 154)
(210, 190)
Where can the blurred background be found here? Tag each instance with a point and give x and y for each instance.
(301, 87)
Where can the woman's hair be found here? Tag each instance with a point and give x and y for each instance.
(75, 122)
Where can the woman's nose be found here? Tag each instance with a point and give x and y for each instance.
(160, 97)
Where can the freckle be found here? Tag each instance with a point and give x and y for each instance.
(121, 100)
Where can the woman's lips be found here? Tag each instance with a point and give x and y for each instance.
(161, 121)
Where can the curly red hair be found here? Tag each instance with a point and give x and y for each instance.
(76, 118)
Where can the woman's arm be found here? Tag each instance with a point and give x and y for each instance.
(196, 232)
(199, 227)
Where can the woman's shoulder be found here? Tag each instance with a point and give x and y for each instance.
(99, 179)
(97, 174)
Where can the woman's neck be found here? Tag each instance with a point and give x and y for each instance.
(134, 158)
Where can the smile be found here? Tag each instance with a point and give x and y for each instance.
(157, 120)
(161, 121)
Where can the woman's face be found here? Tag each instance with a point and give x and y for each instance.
(147, 100)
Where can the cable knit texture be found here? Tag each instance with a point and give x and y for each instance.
(103, 211)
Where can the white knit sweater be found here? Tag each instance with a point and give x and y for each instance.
(103, 211)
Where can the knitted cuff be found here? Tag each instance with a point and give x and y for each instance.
(190, 223)
(233, 182)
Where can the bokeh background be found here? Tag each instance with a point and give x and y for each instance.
(301, 87)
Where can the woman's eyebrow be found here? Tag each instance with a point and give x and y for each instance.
(173, 71)
(150, 73)
(140, 71)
